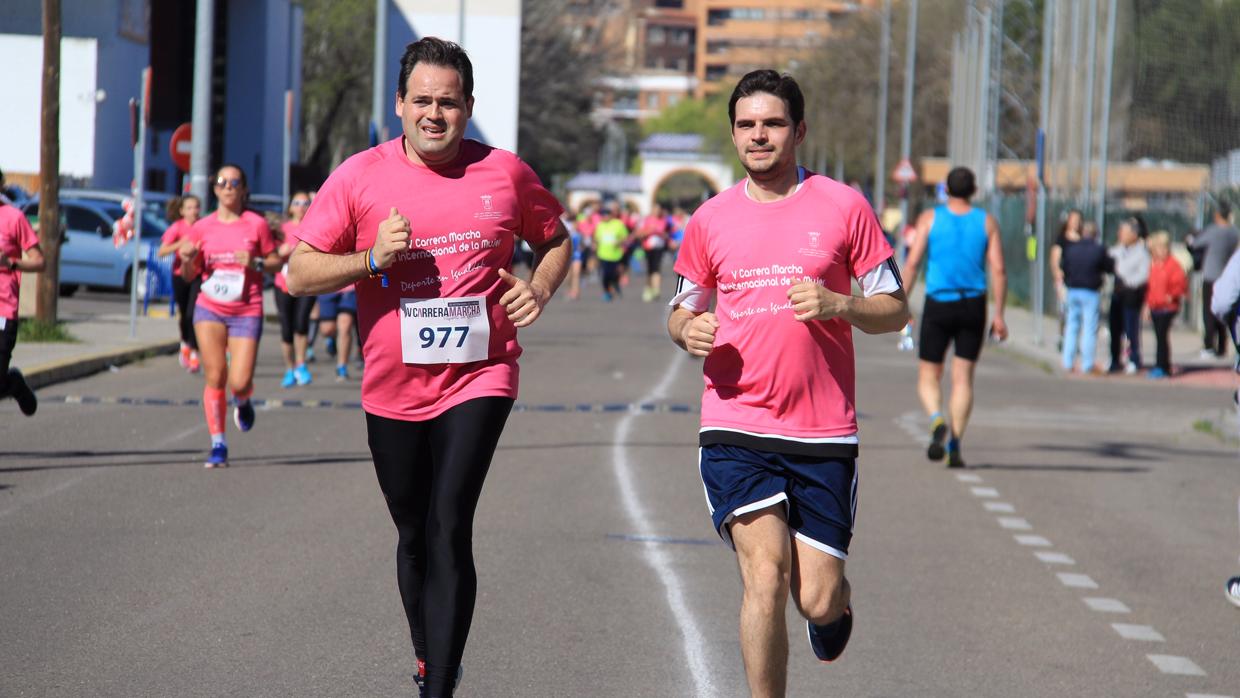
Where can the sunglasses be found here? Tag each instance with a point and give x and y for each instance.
(299, 202)
(235, 182)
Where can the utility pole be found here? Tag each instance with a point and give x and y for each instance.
(1044, 117)
(1105, 140)
(1087, 150)
(906, 125)
(377, 97)
(48, 292)
(880, 157)
(200, 151)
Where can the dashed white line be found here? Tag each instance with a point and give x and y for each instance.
(1170, 664)
(969, 477)
(1051, 558)
(1032, 540)
(1105, 605)
(999, 507)
(1144, 633)
(1204, 695)
(984, 492)
(1014, 523)
(1076, 581)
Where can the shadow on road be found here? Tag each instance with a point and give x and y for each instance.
(1129, 451)
(1120, 470)
(161, 458)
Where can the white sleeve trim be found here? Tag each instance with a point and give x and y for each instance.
(691, 297)
(884, 278)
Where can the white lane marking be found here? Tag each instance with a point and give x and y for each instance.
(1170, 664)
(999, 507)
(984, 492)
(693, 641)
(1105, 605)
(1144, 633)
(1076, 581)
(1032, 540)
(1054, 558)
(184, 433)
(968, 477)
(1014, 523)
(1204, 695)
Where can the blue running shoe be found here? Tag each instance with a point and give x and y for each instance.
(218, 457)
(331, 346)
(310, 355)
(828, 641)
(302, 375)
(290, 379)
(1157, 373)
(342, 373)
(243, 415)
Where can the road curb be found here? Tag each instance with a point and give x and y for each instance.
(44, 375)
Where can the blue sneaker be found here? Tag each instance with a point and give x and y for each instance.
(290, 379)
(302, 375)
(1157, 373)
(309, 355)
(218, 457)
(243, 416)
(828, 641)
(342, 373)
(331, 346)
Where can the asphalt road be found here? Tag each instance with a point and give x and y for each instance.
(129, 570)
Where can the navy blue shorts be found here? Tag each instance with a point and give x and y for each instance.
(819, 495)
(332, 304)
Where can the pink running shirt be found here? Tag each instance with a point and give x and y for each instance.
(16, 236)
(465, 219)
(178, 231)
(289, 228)
(220, 242)
(768, 373)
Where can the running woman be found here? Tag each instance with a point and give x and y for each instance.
(231, 249)
(425, 226)
(183, 211)
(959, 243)
(653, 234)
(777, 253)
(337, 319)
(19, 251)
(294, 312)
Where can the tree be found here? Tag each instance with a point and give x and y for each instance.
(558, 72)
(336, 81)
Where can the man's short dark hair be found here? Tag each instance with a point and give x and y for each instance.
(436, 51)
(770, 82)
(1224, 209)
(960, 183)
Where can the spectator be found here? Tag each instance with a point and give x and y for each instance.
(1083, 264)
(1167, 287)
(1069, 233)
(1132, 274)
(1216, 243)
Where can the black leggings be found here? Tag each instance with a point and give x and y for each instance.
(8, 340)
(294, 314)
(431, 474)
(186, 294)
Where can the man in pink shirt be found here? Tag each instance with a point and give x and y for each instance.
(777, 255)
(19, 251)
(425, 225)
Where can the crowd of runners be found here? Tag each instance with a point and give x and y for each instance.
(397, 248)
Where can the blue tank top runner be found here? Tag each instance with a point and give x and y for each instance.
(956, 255)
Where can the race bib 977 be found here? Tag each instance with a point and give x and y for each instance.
(444, 330)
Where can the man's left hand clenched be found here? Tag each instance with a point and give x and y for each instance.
(522, 301)
(813, 302)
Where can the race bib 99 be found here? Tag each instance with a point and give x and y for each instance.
(444, 330)
(225, 285)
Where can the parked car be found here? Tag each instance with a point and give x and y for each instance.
(88, 256)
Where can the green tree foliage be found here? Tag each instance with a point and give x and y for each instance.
(558, 71)
(338, 57)
(1186, 96)
(707, 117)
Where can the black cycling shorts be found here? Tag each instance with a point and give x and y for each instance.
(961, 321)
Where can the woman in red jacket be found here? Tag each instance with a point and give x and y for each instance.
(1167, 287)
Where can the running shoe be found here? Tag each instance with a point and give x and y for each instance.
(243, 416)
(828, 641)
(218, 457)
(342, 373)
(938, 432)
(310, 355)
(606, 297)
(290, 379)
(331, 346)
(302, 375)
(21, 392)
(1157, 373)
(420, 678)
(1130, 368)
(1233, 590)
(194, 364)
(955, 459)
(183, 359)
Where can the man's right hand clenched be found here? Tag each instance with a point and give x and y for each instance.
(699, 334)
(394, 236)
